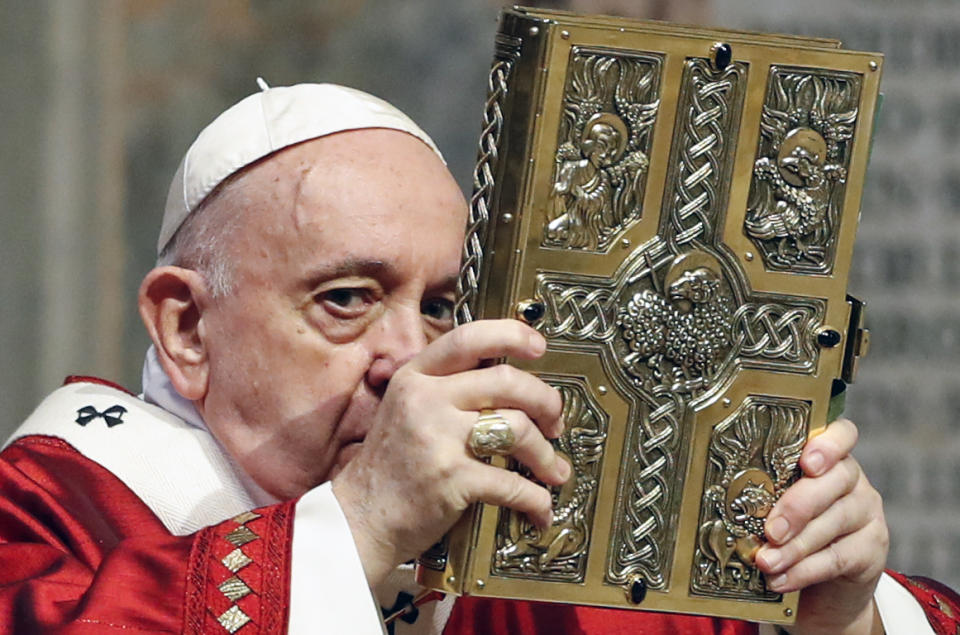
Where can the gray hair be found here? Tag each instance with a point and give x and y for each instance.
(202, 242)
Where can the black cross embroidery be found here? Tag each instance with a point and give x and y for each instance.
(112, 415)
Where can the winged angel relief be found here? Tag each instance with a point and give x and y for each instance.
(806, 127)
(609, 109)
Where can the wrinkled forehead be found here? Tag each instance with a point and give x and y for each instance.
(372, 164)
(355, 189)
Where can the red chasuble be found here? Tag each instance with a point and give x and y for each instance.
(483, 616)
(80, 553)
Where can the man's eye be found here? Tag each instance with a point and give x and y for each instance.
(438, 309)
(345, 301)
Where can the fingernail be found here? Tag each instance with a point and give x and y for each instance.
(564, 469)
(778, 528)
(814, 463)
(778, 582)
(771, 558)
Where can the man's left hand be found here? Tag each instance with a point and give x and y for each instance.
(828, 536)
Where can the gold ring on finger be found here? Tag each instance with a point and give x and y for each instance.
(491, 435)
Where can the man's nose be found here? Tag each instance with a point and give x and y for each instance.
(397, 337)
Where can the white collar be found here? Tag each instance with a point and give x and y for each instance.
(159, 391)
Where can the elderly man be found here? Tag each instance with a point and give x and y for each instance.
(307, 403)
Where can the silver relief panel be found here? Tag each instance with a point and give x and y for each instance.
(559, 552)
(800, 174)
(644, 323)
(753, 458)
(670, 336)
(609, 108)
(663, 323)
(671, 324)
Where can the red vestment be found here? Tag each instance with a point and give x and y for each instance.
(80, 552)
(482, 616)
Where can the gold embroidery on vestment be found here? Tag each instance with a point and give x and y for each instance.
(943, 606)
(236, 560)
(233, 619)
(234, 588)
(245, 517)
(241, 536)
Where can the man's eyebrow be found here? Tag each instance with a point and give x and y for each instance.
(346, 268)
(447, 284)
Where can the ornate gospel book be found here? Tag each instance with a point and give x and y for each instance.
(674, 209)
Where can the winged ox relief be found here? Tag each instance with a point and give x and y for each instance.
(753, 460)
(559, 552)
(610, 106)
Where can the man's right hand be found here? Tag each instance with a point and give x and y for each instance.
(415, 475)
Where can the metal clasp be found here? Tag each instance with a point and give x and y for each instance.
(857, 340)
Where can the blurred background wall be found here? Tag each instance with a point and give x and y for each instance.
(100, 98)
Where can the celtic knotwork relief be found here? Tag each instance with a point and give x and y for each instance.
(779, 335)
(657, 359)
(674, 346)
(579, 311)
(559, 552)
(799, 177)
(753, 459)
(711, 102)
(610, 105)
(769, 331)
(669, 333)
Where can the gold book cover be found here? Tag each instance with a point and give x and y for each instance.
(674, 208)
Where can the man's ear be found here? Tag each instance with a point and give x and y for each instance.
(171, 303)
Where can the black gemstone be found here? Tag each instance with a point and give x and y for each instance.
(638, 590)
(828, 338)
(533, 312)
(722, 55)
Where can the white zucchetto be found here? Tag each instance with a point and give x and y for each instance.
(263, 123)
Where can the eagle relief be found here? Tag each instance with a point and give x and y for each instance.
(610, 105)
(796, 197)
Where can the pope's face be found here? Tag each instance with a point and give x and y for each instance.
(344, 268)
